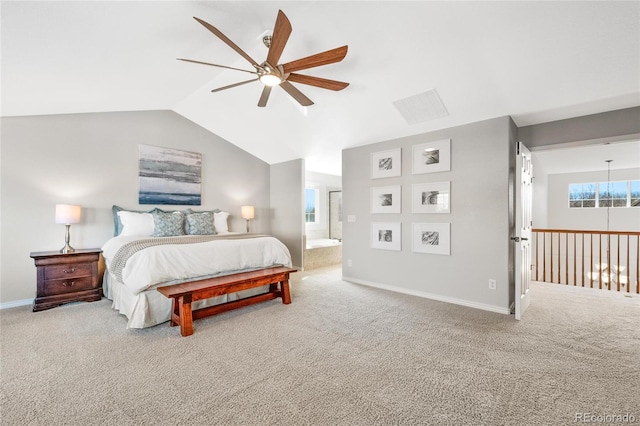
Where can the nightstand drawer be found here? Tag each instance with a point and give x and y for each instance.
(68, 271)
(69, 285)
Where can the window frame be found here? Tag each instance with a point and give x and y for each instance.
(599, 201)
(316, 213)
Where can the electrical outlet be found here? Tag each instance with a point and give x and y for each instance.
(351, 218)
(492, 284)
(349, 262)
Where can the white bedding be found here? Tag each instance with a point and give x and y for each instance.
(172, 262)
(136, 296)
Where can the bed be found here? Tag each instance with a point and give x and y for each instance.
(138, 261)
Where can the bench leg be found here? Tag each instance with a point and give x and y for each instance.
(286, 295)
(175, 312)
(186, 317)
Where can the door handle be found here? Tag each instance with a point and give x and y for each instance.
(518, 239)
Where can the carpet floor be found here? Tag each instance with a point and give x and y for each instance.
(340, 354)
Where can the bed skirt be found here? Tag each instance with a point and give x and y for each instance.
(150, 307)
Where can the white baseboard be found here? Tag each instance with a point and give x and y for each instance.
(482, 306)
(16, 303)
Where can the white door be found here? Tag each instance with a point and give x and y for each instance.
(522, 239)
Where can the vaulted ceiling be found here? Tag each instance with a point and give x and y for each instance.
(536, 61)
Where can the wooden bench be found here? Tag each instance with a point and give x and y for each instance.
(184, 294)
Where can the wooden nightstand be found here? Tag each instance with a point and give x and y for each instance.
(66, 277)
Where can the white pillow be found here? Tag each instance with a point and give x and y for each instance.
(136, 224)
(220, 222)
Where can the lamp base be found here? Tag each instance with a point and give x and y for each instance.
(67, 249)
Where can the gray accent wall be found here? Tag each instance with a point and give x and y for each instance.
(482, 164)
(287, 206)
(92, 160)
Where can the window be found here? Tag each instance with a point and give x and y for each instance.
(634, 193)
(582, 195)
(612, 194)
(311, 197)
(605, 194)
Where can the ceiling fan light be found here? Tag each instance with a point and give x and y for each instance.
(270, 80)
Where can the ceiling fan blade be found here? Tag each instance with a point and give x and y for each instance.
(224, 38)
(296, 94)
(265, 96)
(281, 33)
(317, 81)
(323, 58)
(216, 65)
(233, 85)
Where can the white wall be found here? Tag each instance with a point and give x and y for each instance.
(92, 160)
(287, 206)
(560, 216)
(481, 202)
(324, 183)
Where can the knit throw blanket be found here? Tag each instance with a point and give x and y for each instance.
(129, 249)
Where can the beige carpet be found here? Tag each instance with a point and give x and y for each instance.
(340, 354)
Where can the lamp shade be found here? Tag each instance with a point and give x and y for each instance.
(67, 214)
(247, 212)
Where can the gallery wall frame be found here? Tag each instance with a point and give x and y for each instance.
(431, 238)
(386, 164)
(386, 199)
(431, 197)
(386, 235)
(431, 157)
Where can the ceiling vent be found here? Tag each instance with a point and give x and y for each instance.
(422, 107)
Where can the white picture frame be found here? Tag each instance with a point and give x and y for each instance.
(432, 197)
(432, 157)
(386, 199)
(431, 238)
(386, 235)
(386, 164)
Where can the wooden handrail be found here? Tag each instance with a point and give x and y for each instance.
(580, 231)
(604, 259)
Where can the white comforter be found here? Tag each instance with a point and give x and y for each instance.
(176, 262)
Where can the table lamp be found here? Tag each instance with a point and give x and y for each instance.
(248, 213)
(67, 214)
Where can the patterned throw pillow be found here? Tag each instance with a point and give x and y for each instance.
(168, 224)
(200, 223)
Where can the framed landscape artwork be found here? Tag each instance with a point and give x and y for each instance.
(386, 164)
(431, 197)
(386, 236)
(169, 176)
(431, 238)
(432, 157)
(386, 199)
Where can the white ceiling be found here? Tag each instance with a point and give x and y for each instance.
(536, 61)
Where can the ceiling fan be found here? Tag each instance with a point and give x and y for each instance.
(270, 73)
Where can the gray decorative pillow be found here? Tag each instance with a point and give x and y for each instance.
(200, 223)
(168, 224)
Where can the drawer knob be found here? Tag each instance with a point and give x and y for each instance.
(68, 283)
(69, 271)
